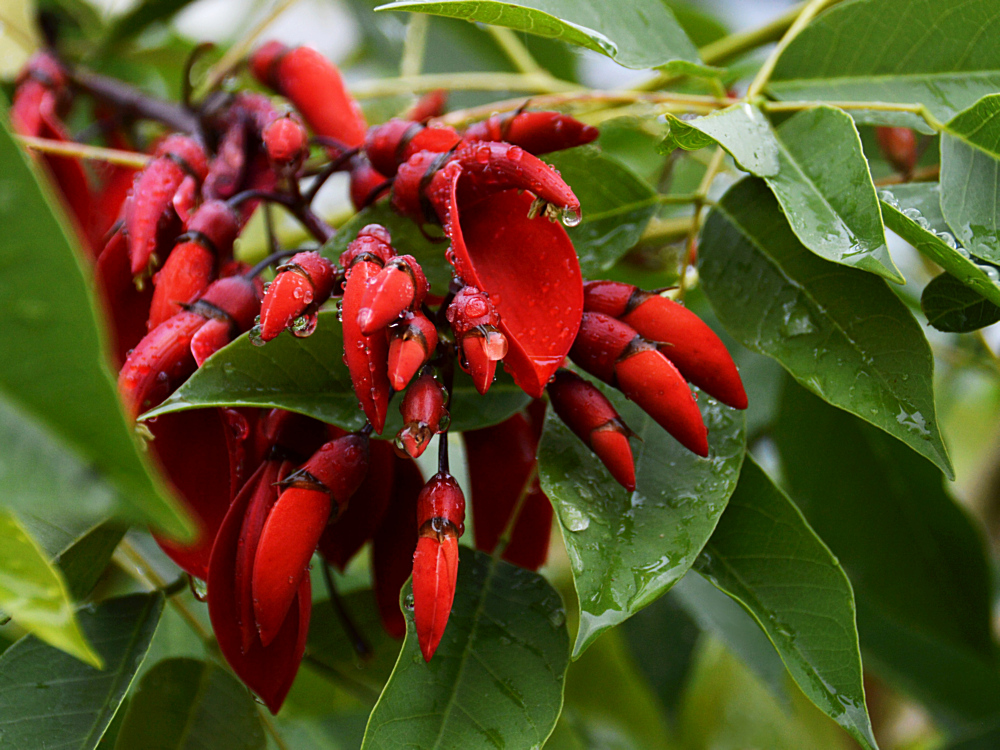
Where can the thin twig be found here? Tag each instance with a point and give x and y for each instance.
(535, 83)
(85, 151)
(414, 45)
(512, 46)
(131, 101)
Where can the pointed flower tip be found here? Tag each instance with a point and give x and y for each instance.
(613, 448)
(435, 574)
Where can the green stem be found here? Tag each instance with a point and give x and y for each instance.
(730, 46)
(414, 46)
(537, 83)
(699, 204)
(807, 14)
(85, 151)
(508, 530)
(514, 49)
(666, 230)
(917, 109)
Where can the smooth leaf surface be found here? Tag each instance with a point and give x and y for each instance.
(939, 53)
(890, 523)
(979, 125)
(627, 549)
(309, 376)
(742, 130)
(616, 203)
(497, 677)
(188, 704)
(49, 699)
(639, 34)
(825, 190)
(765, 556)
(951, 306)
(34, 593)
(914, 213)
(54, 366)
(970, 200)
(840, 332)
(83, 563)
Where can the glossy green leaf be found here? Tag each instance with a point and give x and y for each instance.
(83, 563)
(639, 34)
(841, 333)
(632, 141)
(979, 126)
(309, 376)
(765, 556)
(970, 201)
(951, 306)
(49, 699)
(817, 170)
(34, 592)
(726, 706)
(332, 649)
(724, 618)
(54, 370)
(938, 53)
(497, 677)
(914, 558)
(913, 212)
(187, 704)
(406, 238)
(741, 129)
(627, 549)
(701, 27)
(616, 203)
(608, 702)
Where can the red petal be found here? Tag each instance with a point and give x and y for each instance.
(286, 544)
(188, 271)
(268, 671)
(435, 573)
(531, 272)
(613, 448)
(367, 356)
(127, 307)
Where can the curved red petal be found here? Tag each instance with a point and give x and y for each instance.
(211, 337)
(435, 573)
(367, 356)
(531, 272)
(189, 269)
(287, 298)
(287, 542)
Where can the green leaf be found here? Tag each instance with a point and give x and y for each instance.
(914, 558)
(913, 212)
(608, 701)
(840, 332)
(309, 376)
(54, 370)
(187, 704)
(139, 18)
(951, 306)
(331, 647)
(938, 53)
(970, 201)
(639, 34)
(765, 556)
(497, 677)
(627, 549)
(815, 167)
(34, 593)
(978, 125)
(84, 562)
(405, 234)
(48, 699)
(741, 129)
(701, 27)
(616, 203)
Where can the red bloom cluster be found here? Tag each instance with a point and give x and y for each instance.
(269, 488)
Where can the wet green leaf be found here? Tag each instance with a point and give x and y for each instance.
(616, 203)
(970, 201)
(83, 563)
(54, 374)
(34, 592)
(741, 129)
(913, 212)
(701, 27)
(187, 704)
(979, 126)
(765, 556)
(841, 333)
(639, 34)
(628, 549)
(937, 53)
(497, 677)
(953, 307)
(915, 560)
(49, 699)
(309, 376)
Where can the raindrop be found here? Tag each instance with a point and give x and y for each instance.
(304, 325)
(255, 337)
(571, 217)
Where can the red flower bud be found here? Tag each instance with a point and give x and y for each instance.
(431, 104)
(303, 284)
(899, 146)
(412, 342)
(393, 143)
(367, 183)
(474, 320)
(286, 143)
(535, 132)
(399, 286)
(441, 521)
(592, 418)
(424, 414)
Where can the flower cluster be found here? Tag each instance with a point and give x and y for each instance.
(270, 487)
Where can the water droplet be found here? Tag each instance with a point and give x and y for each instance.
(557, 618)
(304, 325)
(255, 337)
(911, 213)
(571, 217)
(408, 602)
(947, 239)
